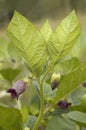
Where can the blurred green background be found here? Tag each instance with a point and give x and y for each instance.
(38, 10)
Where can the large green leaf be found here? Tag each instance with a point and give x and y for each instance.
(79, 117)
(9, 73)
(46, 30)
(3, 48)
(64, 37)
(29, 42)
(11, 119)
(79, 48)
(13, 54)
(71, 81)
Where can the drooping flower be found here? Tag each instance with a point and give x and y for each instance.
(17, 89)
(64, 104)
(54, 84)
(55, 79)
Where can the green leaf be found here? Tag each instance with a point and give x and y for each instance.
(24, 112)
(31, 122)
(46, 30)
(79, 117)
(1, 128)
(79, 48)
(67, 66)
(3, 48)
(12, 51)
(61, 123)
(71, 82)
(29, 42)
(11, 119)
(9, 73)
(81, 106)
(34, 105)
(64, 37)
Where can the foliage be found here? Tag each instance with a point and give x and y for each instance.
(44, 53)
(11, 119)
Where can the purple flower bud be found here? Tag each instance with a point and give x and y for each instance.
(55, 79)
(18, 88)
(54, 84)
(84, 84)
(64, 104)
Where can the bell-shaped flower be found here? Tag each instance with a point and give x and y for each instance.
(17, 89)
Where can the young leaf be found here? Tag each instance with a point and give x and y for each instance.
(70, 82)
(29, 42)
(79, 117)
(11, 119)
(46, 30)
(64, 37)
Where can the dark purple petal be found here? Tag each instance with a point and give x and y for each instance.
(18, 88)
(13, 93)
(64, 104)
(54, 84)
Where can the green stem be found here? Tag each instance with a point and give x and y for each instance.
(42, 100)
(19, 104)
(41, 109)
(78, 127)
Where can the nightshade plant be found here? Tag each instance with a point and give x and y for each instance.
(42, 52)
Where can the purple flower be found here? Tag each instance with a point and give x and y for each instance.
(64, 104)
(54, 84)
(18, 88)
(84, 84)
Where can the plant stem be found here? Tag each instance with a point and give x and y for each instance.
(19, 104)
(41, 109)
(42, 99)
(78, 127)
